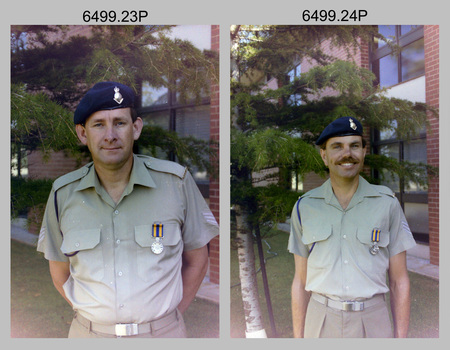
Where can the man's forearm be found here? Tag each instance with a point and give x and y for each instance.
(195, 265)
(400, 307)
(299, 304)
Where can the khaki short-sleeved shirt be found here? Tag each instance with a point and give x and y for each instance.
(114, 275)
(336, 241)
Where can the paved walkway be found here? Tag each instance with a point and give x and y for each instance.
(208, 291)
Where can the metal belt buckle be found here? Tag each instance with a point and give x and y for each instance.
(352, 306)
(126, 329)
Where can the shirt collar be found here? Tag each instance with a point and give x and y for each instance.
(139, 176)
(364, 189)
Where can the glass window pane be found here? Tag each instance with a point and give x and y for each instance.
(417, 217)
(413, 60)
(161, 119)
(389, 133)
(388, 71)
(388, 32)
(387, 179)
(152, 96)
(416, 152)
(407, 28)
(195, 122)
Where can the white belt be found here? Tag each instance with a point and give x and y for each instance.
(348, 305)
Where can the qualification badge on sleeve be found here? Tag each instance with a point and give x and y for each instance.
(158, 234)
(374, 249)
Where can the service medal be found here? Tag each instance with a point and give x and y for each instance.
(374, 249)
(375, 239)
(157, 247)
(157, 233)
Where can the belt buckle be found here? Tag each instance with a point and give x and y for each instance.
(352, 306)
(126, 329)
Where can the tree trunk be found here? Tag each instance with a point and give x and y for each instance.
(247, 275)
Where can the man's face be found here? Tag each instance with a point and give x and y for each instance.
(344, 156)
(109, 135)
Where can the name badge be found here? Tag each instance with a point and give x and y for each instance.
(158, 234)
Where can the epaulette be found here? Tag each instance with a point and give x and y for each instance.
(385, 190)
(164, 166)
(71, 177)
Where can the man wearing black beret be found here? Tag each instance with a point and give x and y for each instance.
(345, 236)
(126, 235)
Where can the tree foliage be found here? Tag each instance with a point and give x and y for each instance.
(51, 71)
(270, 130)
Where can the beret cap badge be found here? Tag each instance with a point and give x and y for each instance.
(117, 95)
(352, 124)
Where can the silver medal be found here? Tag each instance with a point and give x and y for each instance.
(157, 247)
(374, 249)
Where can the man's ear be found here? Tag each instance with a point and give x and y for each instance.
(324, 158)
(81, 133)
(137, 128)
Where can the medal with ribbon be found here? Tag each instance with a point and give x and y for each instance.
(374, 249)
(158, 234)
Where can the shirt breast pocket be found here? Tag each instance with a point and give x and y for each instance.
(152, 265)
(378, 262)
(85, 253)
(318, 238)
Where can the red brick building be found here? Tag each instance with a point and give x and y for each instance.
(201, 121)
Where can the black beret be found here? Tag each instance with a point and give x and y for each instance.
(104, 95)
(344, 126)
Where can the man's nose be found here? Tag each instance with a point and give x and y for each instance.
(110, 133)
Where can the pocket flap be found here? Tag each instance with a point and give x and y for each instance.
(313, 234)
(80, 240)
(365, 236)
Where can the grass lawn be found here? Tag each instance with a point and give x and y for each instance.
(38, 311)
(424, 321)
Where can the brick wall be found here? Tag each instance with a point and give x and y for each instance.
(58, 164)
(214, 194)
(431, 37)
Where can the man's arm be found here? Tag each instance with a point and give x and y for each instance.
(195, 264)
(60, 272)
(299, 296)
(399, 294)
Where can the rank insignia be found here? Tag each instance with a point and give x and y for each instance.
(158, 234)
(117, 95)
(374, 249)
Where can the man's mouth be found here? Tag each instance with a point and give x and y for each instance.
(347, 163)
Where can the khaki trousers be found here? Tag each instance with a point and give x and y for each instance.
(80, 328)
(325, 322)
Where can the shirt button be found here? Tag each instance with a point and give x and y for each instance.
(344, 236)
(116, 212)
(120, 273)
(121, 306)
(118, 241)
(77, 244)
(345, 261)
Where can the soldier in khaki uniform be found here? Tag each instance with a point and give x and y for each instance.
(345, 235)
(126, 235)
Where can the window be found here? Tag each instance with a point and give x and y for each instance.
(392, 67)
(161, 107)
(292, 74)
